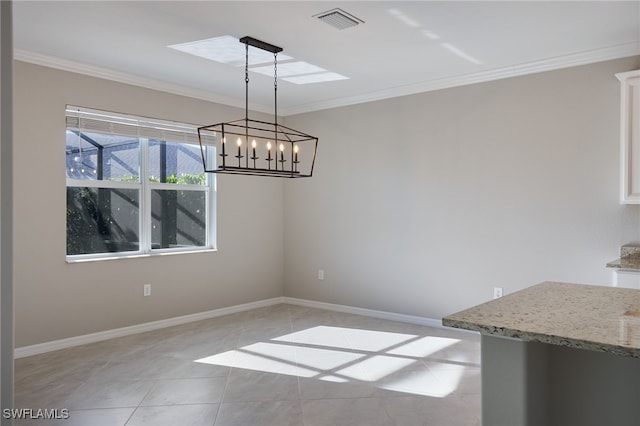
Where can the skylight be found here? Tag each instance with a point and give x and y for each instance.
(289, 69)
(228, 50)
(315, 78)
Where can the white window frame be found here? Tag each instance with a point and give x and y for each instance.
(144, 129)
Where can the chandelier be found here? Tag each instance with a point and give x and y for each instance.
(255, 147)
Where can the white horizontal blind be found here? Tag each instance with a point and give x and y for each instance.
(90, 120)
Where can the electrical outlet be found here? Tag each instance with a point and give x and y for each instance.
(497, 292)
(146, 290)
(321, 274)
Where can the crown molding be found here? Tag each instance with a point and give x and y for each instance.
(576, 59)
(132, 79)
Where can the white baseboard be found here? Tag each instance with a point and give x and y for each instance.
(55, 345)
(391, 316)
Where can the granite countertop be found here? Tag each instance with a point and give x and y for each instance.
(605, 319)
(629, 258)
(631, 263)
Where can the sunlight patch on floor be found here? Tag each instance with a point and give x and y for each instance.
(375, 368)
(346, 338)
(391, 361)
(424, 382)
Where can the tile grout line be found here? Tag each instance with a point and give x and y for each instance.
(300, 400)
(261, 327)
(226, 383)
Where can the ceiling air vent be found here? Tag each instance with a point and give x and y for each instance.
(338, 18)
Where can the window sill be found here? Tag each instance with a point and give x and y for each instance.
(136, 255)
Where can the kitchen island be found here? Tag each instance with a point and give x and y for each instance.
(559, 354)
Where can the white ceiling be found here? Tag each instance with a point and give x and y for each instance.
(392, 53)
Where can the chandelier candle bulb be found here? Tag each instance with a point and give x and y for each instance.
(239, 156)
(269, 159)
(282, 160)
(253, 157)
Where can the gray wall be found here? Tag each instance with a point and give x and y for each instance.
(419, 205)
(422, 204)
(55, 300)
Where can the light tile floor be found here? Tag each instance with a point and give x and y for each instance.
(280, 365)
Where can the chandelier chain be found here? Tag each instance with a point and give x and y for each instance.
(275, 87)
(246, 63)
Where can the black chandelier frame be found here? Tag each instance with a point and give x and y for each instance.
(292, 154)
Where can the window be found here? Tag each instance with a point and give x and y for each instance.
(135, 186)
